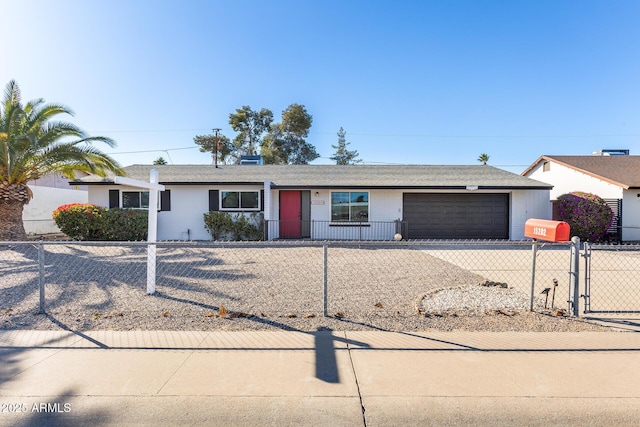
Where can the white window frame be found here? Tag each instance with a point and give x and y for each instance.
(349, 205)
(139, 199)
(240, 208)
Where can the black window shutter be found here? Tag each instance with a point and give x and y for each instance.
(262, 200)
(165, 200)
(114, 199)
(214, 200)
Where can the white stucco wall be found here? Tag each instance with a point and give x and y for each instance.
(36, 216)
(185, 220)
(527, 204)
(631, 215)
(566, 180)
(189, 203)
(386, 206)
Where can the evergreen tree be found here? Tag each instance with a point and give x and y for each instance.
(342, 156)
(220, 146)
(285, 142)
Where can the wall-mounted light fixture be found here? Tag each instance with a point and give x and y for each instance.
(318, 194)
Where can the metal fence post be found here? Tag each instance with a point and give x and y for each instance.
(574, 286)
(534, 253)
(587, 277)
(324, 282)
(41, 276)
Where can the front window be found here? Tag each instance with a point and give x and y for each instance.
(135, 199)
(240, 201)
(350, 206)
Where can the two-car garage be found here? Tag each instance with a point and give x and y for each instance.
(456, 215)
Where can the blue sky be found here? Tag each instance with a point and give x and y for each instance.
(411, 82)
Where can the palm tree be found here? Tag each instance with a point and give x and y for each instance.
(160, 161)
(32, 145)
(484, 158)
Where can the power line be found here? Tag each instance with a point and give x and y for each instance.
(151, 151)
(394, 135)
(147, 130)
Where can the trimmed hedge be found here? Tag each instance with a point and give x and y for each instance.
(588, 215)
(127, 224)
(83, 221)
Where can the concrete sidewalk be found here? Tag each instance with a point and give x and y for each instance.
(322, 378)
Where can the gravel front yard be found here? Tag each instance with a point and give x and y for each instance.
(257, 287)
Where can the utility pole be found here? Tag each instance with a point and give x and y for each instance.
(217, 146)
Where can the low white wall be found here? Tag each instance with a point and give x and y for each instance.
(36, 216)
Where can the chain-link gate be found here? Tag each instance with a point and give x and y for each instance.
(611, 280)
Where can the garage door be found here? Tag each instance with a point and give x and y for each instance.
(456, 216)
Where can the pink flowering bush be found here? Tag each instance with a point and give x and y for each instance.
(80, 221)
(588, 215)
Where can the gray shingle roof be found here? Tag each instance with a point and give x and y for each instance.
(334, 176)
(620, 170)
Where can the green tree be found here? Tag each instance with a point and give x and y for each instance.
(342, 156)
(32, 145)
(285, 142)
(251, 126)
(223, 145)
(483, 158)
(160, 161)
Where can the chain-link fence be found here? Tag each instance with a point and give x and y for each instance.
(90, 281)
(512, 263)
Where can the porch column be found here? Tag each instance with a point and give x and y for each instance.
(267, 206)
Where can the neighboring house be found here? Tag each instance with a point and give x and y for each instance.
(324, 201)
(49, 192)
(614, 178)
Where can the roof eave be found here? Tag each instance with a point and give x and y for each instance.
(345, 186)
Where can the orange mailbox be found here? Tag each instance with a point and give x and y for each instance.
(542, 229)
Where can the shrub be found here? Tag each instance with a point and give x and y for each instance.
(248, 227)
(217, 223)
(126, 224)
(234, 226)
(255, 228)
(588, 215)
(82, 221)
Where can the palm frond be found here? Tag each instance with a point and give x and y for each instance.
(12, 93)
(32, 144)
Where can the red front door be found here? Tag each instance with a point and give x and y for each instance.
(290, 214)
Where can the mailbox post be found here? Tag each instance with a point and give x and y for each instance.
(542, 229)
